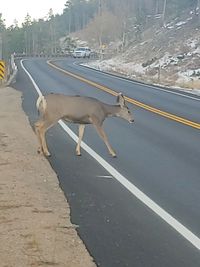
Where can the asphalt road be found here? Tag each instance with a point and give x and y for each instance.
(158, 155)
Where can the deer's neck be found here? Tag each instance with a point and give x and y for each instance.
(112, 110)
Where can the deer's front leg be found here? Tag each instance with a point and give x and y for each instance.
(102, 134)
(81, 132)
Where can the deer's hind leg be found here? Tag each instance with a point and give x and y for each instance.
(37, 131)
(41, 127)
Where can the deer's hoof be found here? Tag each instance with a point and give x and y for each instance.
(78, 152)
(113, 154)
(47, 154)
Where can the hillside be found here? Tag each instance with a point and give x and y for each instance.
(168, 55)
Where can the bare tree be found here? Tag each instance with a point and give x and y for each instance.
(164, 11)
(51, 18)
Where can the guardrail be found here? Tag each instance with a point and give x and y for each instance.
(12, 71)
(94, 55)
(23, 55)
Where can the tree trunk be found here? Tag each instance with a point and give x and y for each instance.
(157, 7)
(100, 32)
(163, 14)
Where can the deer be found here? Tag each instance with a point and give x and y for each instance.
(77, 109)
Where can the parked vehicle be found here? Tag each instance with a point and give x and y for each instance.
(82, 52)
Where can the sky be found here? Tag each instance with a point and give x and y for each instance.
(18, 9)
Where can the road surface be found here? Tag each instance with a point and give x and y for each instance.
(142, 208)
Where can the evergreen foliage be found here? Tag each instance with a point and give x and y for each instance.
(105, 20)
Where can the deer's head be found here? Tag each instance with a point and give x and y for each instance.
(124, 112)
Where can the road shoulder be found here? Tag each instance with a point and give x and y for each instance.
(35, 225)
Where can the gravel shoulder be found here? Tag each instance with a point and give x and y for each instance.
(35, 227)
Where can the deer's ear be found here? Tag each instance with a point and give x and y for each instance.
(120, 99)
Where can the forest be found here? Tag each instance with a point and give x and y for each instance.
(98, 22)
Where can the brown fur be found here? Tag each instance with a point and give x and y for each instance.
(77, 109)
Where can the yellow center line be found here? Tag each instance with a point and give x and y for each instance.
(130, 100)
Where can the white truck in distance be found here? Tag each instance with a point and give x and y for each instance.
(82, 52)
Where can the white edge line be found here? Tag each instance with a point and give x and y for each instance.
(181, 229)
(34, 84)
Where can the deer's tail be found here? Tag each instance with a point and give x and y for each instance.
(41, 104)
